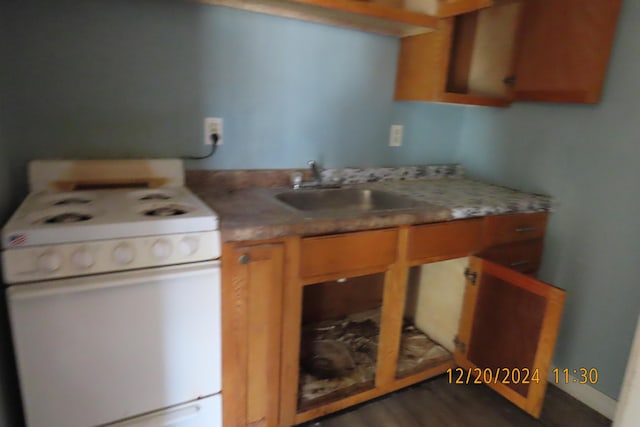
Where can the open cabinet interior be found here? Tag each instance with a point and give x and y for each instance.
(435, 294)
(482, 51)
(469, 60)
(373, 312)
(489, 317)
(340, 331)
(339, 341)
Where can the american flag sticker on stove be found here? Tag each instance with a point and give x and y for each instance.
(17, 239)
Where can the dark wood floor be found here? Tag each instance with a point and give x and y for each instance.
(436, 403)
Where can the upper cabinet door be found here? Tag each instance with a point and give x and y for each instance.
(565, 49)
(509, 327)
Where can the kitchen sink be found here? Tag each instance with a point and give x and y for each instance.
(345, 199)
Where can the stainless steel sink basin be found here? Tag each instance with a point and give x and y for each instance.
(345, 199)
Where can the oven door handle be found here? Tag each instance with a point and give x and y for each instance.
(112, 280)
(166, 418)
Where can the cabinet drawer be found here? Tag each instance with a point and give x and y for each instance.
(501, 229)
(348, 252)
(524, 256)
(437, 242)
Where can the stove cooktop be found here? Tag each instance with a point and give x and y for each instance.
(46, 218)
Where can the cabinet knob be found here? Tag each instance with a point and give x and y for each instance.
(509, 80)
(244, 259)
(525, 229)
(519, 263)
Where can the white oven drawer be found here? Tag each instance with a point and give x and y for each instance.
(97, 349)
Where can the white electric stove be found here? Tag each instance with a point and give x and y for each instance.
(114, 296)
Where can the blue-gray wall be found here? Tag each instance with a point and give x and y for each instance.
(587, 157)
(123, 78)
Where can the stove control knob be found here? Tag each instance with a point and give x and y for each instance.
(82, 259)
(49, 262)
(123, 254)
(161, 249)
(188, 246)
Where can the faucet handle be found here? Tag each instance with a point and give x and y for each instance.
(296, 180)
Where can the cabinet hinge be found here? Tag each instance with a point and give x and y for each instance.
(459, 344)
(509, 80)
(471, 276)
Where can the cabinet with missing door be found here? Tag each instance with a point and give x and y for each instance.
(497, 322)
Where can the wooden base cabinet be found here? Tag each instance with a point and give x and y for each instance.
(251, 323)
(501, 325)
(397, 306)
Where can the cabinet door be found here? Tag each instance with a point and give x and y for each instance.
(508, 327)
(251, 322)
(565, 49)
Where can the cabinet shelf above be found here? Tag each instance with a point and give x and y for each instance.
(386, 17)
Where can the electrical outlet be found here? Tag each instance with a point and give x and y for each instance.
(212, 125)
(395, 136)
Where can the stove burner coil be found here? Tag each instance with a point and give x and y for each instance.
(166, 211)
(155, 196)
(67, 218)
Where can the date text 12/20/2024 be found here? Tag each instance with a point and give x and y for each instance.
(520, 376)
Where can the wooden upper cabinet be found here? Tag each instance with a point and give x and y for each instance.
(565, 49)
(470, 60)
(398, 18)
(515, 50)
(445, 8)
(509, 327)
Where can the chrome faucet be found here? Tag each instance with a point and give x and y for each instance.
(296, 179)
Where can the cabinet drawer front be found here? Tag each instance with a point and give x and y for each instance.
(347, 252)
(501, 229)
(524, 256)
(437, 242)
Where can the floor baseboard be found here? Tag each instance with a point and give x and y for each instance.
(586, 394)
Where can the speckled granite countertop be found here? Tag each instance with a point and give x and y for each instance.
(248, 210)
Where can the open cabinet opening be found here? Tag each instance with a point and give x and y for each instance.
(435, 296)
(339, 342)
(482, 51)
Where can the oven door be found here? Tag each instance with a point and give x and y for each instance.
(97, 349)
